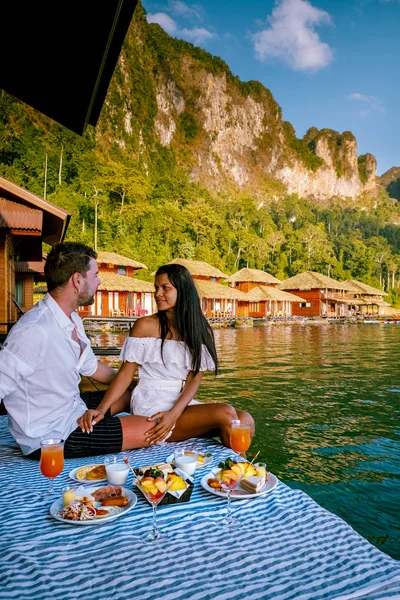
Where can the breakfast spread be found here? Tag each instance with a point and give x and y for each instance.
(231, 472)
(160, 483)
(87, 507)
(91, 473)
(157, 480)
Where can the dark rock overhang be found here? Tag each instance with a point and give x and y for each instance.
(59, 57)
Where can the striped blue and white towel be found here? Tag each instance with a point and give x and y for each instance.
(288, 548)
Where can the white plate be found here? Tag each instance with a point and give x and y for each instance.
(207, 461)
(269, 486)
(58, 505)
(71, 474)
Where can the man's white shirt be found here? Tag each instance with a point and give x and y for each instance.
(40, 370)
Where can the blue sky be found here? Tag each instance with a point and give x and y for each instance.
(328, 63)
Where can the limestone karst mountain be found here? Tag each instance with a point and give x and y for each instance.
(391, 182)
(228, 133)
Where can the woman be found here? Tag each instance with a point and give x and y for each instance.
(171, 349)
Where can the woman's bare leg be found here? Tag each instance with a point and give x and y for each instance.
(200, 419)
(134, 430)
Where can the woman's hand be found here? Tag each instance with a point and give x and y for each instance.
(90, 418)
(165, 421)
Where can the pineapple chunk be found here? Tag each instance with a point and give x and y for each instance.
(177, 483)
(249, 470)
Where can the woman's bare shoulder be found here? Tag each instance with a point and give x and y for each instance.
(146, 327)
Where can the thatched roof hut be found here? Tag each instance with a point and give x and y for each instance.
(252, 275)
(112, 282)
(262, 292)
(111, 258)
(212, 289)
(199, 268)
(310, 280)
(363, 289)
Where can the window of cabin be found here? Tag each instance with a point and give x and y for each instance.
(305, 304)
(19, 292)
(121, 270)
(213, 279)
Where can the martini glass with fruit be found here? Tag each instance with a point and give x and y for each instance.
(230, 474)
(154, 487)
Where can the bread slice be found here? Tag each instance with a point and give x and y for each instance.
(81, 473)
(163, 466)
(253, 484)
(98, 472)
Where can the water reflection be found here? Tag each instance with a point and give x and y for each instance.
(326, 404)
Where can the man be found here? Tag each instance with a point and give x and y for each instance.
(42, 361)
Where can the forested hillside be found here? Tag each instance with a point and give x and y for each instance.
(152, 208)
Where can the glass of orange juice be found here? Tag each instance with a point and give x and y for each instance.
(240, 438)
(51, 460)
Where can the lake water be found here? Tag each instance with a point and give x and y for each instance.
(326, 401)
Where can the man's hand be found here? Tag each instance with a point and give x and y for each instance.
(165, 421)
(90, 418)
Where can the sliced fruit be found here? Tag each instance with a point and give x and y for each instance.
(231, 474)
(147, 482)
(152, 489)
(161, 485)
(177, 483)
(250, 470)
(237, 470)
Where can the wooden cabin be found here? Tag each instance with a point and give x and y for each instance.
(25, 222)
(268, 301)
(120, 294)
(366, 299)
(217, 300)
(246, 279)
(323, 296)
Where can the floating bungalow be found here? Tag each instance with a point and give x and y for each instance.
(265, 300)
(323, 296)
(217, 300)
(366, 299)
(247, 279)
(25, 222)
(120, 294)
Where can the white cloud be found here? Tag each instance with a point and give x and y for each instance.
(372, 103)
(291, 36)
(165, 21)
(196, 35)
(193, 12)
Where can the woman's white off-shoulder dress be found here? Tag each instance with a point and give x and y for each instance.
(161, 378)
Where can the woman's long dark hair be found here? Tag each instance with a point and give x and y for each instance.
(191, 324)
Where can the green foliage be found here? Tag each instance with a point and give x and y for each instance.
(303, 150)
(362, 169)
